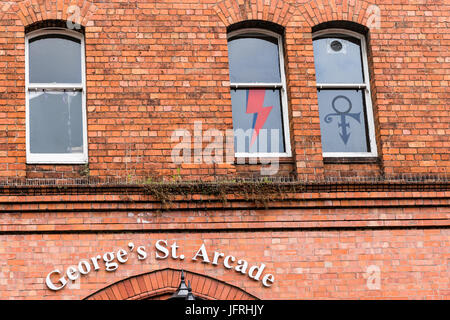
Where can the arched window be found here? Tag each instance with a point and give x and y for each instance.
(55, 97)
(258, 93)
(343, 89)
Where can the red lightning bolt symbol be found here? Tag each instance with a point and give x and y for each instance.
(255, 105)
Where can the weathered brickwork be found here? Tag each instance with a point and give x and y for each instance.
(306, 264)
(358, 245)
(329, 228)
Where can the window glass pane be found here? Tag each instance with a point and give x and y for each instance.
(254, 58)
(342, 121)
(56, 122)
(338, 60)
(55, 58)
(257, 121)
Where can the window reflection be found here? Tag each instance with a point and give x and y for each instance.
(54, 58)
(254, 58)
(56, 122)
(338, 60)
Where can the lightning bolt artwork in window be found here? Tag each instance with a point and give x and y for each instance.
(255, 104)
(257, 89)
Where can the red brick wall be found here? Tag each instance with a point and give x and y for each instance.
(306, 264)
(156, 67)
(325, 245)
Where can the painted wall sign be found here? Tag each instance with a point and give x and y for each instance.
(110, 261)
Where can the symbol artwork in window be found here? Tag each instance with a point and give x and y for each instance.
(343, 91)
(342, 120)
(343, 124)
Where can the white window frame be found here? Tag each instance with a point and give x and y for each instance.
(56, 158)
(361, 86)
(281, 85)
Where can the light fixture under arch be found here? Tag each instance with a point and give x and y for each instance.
(161, 284)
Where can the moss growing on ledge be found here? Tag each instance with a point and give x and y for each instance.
(260, 192)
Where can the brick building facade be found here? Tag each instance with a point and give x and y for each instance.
(324, 224)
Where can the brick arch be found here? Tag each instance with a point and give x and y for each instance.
(161, 284)
(320, 11)
(234, 11)
(33, 11)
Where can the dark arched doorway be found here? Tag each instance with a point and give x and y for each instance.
(161, 284)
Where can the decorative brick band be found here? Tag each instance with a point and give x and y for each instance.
(162, 283)
(280, 12)
(233, 11)
(32, 11)
(319, 11)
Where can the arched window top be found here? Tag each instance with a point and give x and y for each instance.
(55, 56)
(256, 24)
(338, 56)
(341, 25)
(254, 56)
(55, 24)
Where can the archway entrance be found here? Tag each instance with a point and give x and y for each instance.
(161, 284)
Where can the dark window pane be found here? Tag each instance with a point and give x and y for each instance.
(55, 58)
(56, 122)
(338, 60)
(257, 120)
(342, 121)
(254, 58)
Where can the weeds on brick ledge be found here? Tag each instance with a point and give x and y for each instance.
(177, 180)
(259, 190)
